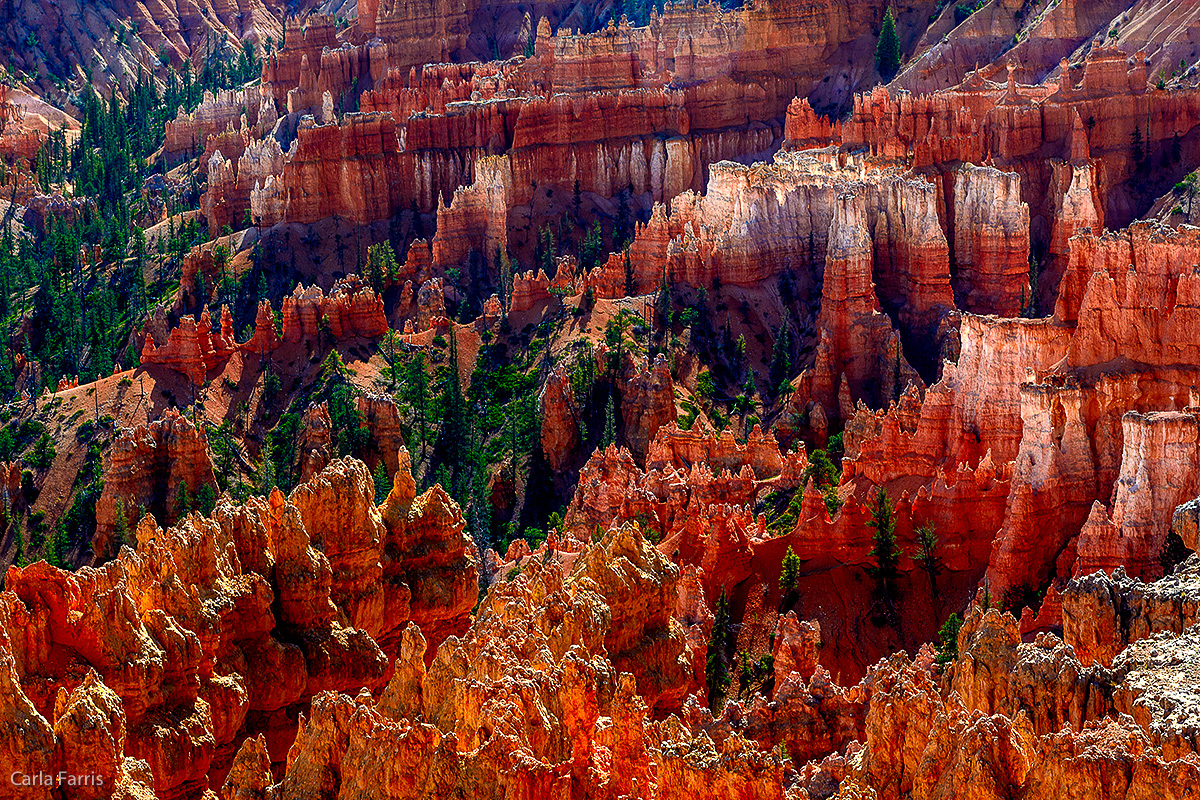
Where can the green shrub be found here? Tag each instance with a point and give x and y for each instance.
(43, 453)
(947, 648)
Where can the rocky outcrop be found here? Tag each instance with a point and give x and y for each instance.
(304, 39)
(561, 417)
(1025, 718)
(149, 468)
(803, 126)
(856, 346)
(476, 221)
(227, 118)
(350, 310)
(1103, 614)
(1088, 125)
(382, 418)
(591, 108)
(991, 242)
(1158, 472)
(210, 631)
(314, 446)
(349, 169)
(122, 42)
(555, 667)
(11, 498)
(417, 33)
(1053, 485)
(647, 402)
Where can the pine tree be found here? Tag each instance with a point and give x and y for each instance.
(662, 303)
(789, 573)
(887, 51)
(592, 249)
(716, 670)
(781, 360)
(885, 552)
(610, 424)
(821, 470)
(926, 554)
(19, 541)
(201, 291)
(456, 426)
(416, 394)
(387, 347)
(621, 233)
(381, 265)
(506, 281)
(206, 499)
(547, 251)
(383, 483)
(183, 502)
(121, 526)
(947, 649)
(265, 475)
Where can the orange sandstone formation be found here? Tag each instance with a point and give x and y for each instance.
(149, 467)
(194, 348)
(991, 242)
(209, 631)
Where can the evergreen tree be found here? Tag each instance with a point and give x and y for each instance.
(19, 541)
(592, 248)
(201, 291)
(547, 251)
(381, 265)
(183, 502)
(121, 527)
(716, 669)
(60, 548)
(1139, 149)
(206, 499)
(885, 553)
(610, 424)
(383, 483)
(947, 649)
(821, 470)
(789, 576)
(416, 394)
(265, 474)
(887, 50)
(504, 265)
(456, 426)
(926, 554)
(388, 347)
(781, 360)
(621, 231)
(662, 304)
